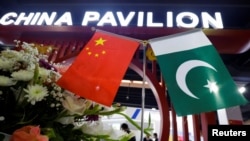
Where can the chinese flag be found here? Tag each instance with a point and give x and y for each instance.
(97, 71)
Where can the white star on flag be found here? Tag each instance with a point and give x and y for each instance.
(212, 86)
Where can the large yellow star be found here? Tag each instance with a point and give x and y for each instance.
(100, 41)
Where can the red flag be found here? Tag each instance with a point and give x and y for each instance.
(97, 71)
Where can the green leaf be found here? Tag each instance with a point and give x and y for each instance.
(116, 110)
(149, 120)
(93, 111)
(36, 74)
(49, 132)
(146, 130)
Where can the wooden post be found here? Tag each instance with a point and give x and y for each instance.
(207, 119)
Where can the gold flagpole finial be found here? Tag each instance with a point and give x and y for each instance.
(93, 28)
(144, 43)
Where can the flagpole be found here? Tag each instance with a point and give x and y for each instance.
(144, 43)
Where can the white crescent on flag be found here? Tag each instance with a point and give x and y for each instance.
(183, 70)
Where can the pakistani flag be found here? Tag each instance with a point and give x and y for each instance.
(196, 77)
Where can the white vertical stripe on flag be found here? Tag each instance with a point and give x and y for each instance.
(179, 42)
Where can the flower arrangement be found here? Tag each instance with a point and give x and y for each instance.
(33, 106)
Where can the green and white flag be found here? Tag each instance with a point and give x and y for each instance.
(195, 75)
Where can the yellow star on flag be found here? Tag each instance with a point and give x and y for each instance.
(100, 41)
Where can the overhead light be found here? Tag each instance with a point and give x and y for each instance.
(153, 109)
(133, 84)
(138, 82)
(242, 89)
(126, 81)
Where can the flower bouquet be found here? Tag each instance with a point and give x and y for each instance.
(34, 107)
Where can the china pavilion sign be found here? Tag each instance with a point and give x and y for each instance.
(118, 18)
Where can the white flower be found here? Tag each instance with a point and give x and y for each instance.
(2, 118)
(23, 75)
(29, 48)
(66, 120)
(6, 64)
(44, 73)
(76, 105)
(6, 81)
(35, 93)
(10, 54)
(119, 134)
(101, 128)
(96, 128)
